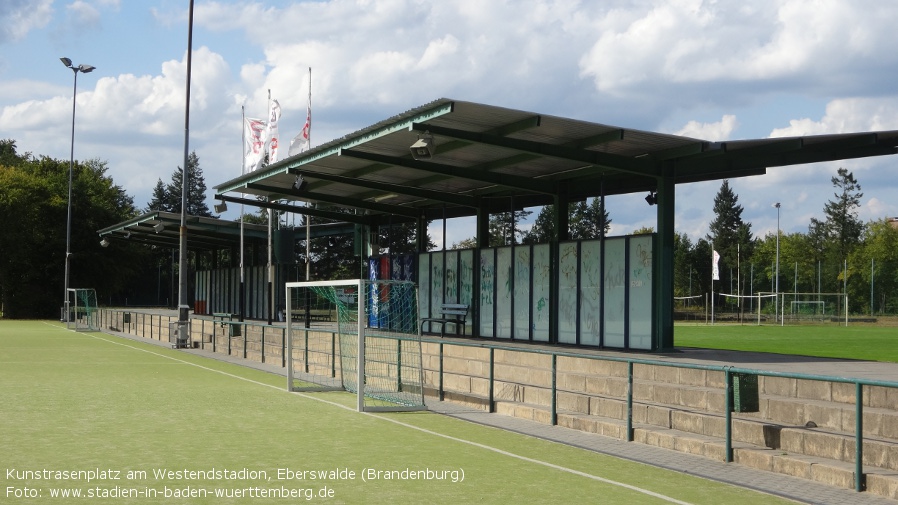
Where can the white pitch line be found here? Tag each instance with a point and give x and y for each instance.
(423, 430)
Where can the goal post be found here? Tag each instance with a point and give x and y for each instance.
(356, 335)
(82, 307)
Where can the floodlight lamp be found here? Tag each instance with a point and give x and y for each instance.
(423, 148)
(300, 184)
(66, 61)
(651, 198)
(220, 207)
(104, 243)
(85, 69)
(159, 227)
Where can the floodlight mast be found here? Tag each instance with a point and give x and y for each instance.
(84, 69)
(183, 306)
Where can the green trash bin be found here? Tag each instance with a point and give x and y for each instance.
(745, 393)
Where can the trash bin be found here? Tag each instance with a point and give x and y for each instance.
(745, 393)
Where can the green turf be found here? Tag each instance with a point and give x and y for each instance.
(865, 342)
(79, 402)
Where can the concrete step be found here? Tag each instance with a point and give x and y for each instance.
(881, 481)
(606, 396)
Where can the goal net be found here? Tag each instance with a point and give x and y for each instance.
(356, 335)
(798, 308)
(81, 305)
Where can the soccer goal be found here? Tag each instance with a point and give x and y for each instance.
(800, 308)
(356, 335)
(81, 305)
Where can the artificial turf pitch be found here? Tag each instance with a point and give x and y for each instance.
(120, 421)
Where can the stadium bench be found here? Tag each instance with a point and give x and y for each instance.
(450, 313)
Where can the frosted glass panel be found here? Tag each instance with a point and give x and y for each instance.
(522, 292)
(567, 292)
(615, 291)
(487, 289)
(424, 285)
(451, 277)
(541, 270)
(503, 292)
(641, 292)
(437, 278)
(590, 291)
(466, 276)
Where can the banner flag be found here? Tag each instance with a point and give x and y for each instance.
(301, 142)
(253, 143)
(715, 272)
(271, 136)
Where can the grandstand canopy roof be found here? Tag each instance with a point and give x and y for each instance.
(486, 156)
(163, 229)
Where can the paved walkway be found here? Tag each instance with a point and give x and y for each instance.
(794, 488)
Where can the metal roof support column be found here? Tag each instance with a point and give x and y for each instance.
(483, 228)
(663, 266)
(561, 233)
(421, 234)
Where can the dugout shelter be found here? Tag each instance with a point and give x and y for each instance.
(451, 158)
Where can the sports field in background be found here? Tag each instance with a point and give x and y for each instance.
(855, 341)
(119, 421)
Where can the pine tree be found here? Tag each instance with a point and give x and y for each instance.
(160, 199)
(730, 235)
(843, 226)
(196, 191)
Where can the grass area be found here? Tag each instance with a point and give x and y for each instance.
(858, 341)
(76, 403)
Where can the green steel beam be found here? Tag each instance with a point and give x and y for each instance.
(336, 216)
(637, 166)
(440, 196)
(293, 194)
(512, 181)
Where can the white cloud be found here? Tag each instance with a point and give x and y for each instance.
(18, 17)
(717, 131)
(847, 115)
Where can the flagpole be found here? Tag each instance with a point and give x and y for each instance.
(270, 265)
(242, 300)
(712, 282)
(309, 204)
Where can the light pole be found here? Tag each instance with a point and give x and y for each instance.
(776, 308)
(68, 227)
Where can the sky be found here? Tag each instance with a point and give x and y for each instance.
(714, 70)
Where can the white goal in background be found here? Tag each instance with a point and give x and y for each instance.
(82, 309)
(358, 335)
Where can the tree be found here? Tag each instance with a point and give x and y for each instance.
(843, 226)
(33, 244)
(505, 229)
(730, 236)
(585, 221)
(196, 191)
(161, 200)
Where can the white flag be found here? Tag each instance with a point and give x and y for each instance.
(271, 136)
(300, 142)
(715, 272)
(253, 144)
